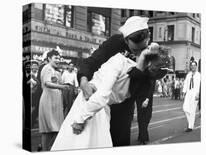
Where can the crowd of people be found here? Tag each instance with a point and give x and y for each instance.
(170, 87)
(94, 106)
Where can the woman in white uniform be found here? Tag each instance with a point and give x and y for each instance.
(191, 93)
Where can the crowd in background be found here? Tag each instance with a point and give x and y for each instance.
(32, 80)
(170, 87)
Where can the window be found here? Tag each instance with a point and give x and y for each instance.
(59, 14)
(141, 12)
(151, 33)
(193, 34)
(160, 13)
(198, 15)
(38, 6)
(68, 16)
(25, 7)
(170, 34)
(26, 13)
(54, 13)
(98, 24)
(123, 13)
(193, 15)
(171, 13)
(160, 32)
(172, 63)
(131, 13)
(151, 14)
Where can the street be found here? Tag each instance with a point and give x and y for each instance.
(166, 126)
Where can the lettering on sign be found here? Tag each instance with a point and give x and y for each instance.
(68, 33)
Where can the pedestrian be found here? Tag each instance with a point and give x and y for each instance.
(69, 77)
(34, 92)
(164, 87)
(199, 103)
(191, 92)
(159, 87)
(177, 89)
(173, 87)
(50, 106)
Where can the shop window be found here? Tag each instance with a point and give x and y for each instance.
(193, 34)
(170, 35)
(98, 24)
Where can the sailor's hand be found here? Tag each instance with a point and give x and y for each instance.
(87, 88)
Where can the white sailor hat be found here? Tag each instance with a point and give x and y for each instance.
(134, 24)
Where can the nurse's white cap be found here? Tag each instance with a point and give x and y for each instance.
(134, 24)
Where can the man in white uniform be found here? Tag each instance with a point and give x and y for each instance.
(191, 95)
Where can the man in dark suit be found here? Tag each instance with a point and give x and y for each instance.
(134, 38)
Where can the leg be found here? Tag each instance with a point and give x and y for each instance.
(146, 115)
(192, 120)
(120, 123)
(48, 140)
(188, 118)
(68, 96)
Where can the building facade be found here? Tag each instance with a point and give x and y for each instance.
(181, 32)
(75, 29)
(78, 29)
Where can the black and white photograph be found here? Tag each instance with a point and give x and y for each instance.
(109, 77)
(99, 77)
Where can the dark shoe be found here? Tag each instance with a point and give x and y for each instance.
(188, 130)
(142, 142)
(39, 148)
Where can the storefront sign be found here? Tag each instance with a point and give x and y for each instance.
(41, 50)
(67, 33)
